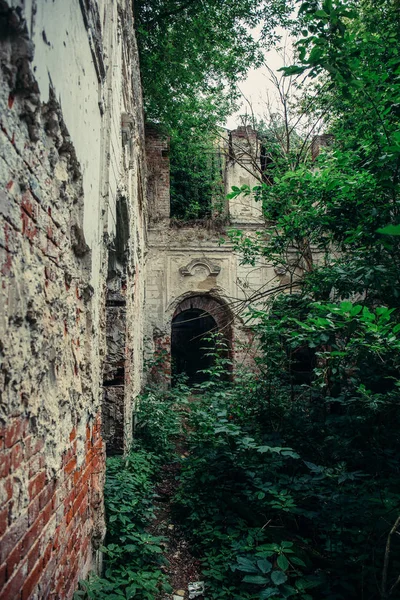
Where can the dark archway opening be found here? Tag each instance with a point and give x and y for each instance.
(191, 346)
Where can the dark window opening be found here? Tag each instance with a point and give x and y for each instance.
(191, 347)
(118, 250)
(196, 178)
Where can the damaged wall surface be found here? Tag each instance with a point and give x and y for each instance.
(70, 150)
(189, 266)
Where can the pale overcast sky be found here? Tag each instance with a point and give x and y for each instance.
(257, 87)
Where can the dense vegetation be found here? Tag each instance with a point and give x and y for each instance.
(192, 53)
(292, 484)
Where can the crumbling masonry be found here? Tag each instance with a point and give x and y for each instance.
(92, 274)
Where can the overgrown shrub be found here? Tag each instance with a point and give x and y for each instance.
(290, 491)
(132, 557)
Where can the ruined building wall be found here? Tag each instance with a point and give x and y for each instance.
(188, 266)
(70, 153)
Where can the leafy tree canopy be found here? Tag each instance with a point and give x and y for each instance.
(193, 52)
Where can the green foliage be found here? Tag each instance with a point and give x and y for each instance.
(191, 56)
(330, 346)
(132, 557)
(196, 175)
(159, 418)
(291, 494)
(230, 493)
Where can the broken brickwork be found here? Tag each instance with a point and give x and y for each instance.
(187, 264)
(70, 148)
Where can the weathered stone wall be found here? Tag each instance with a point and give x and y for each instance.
(127, 239)
(70, 149)
(158, 190)
(189, 261)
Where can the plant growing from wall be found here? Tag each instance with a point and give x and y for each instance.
(197, 165)
(191, 56)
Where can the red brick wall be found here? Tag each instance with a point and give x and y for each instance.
(158, 184)
(48, 546)
(51, 451)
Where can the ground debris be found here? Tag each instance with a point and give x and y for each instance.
(182, 567)
(196, 589)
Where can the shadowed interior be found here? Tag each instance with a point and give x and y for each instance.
(190, 344)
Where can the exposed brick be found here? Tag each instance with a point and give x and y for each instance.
(46, 513)
(3, 575)
(6, 490)
(33, 510)
(83, 508)
(17, 456)
(77, 476)
(46, 527)
(13, 588)
(70, 466)
(47, 494)
(12, 536)
(3, 520)
(33, 533)
(68, 456)
(36, 484)
(46, 580)
(14, 432)
(33, 555)
(32, 580)
(70, 498)
(14, 559)
(83, 493)
(5, 463)
(69, 516)
(36, 464)
(32, 446)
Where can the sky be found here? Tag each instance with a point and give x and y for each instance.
(257, 87)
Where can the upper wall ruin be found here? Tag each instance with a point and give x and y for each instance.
(188, 260)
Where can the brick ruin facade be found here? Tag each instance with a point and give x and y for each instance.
(187, 264)
(72, 168)
(93, 271)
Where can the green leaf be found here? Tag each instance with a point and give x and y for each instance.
(292, 70)
(264, 565)
(297, 561)
(268, 592)
(278, 577)
(257, 579)
(313, 468)
(246, 565)
(390, 230)
(282, 562)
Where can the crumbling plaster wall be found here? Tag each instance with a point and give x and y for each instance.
(68, 83)
(125, 284)
(190, 260)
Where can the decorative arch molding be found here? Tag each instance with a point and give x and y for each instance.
(216, 307)
(204, 263)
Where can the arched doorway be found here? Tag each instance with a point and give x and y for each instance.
(191, 346)
(194, 322)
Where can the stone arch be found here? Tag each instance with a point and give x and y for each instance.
(211, 304)
(192, 319)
